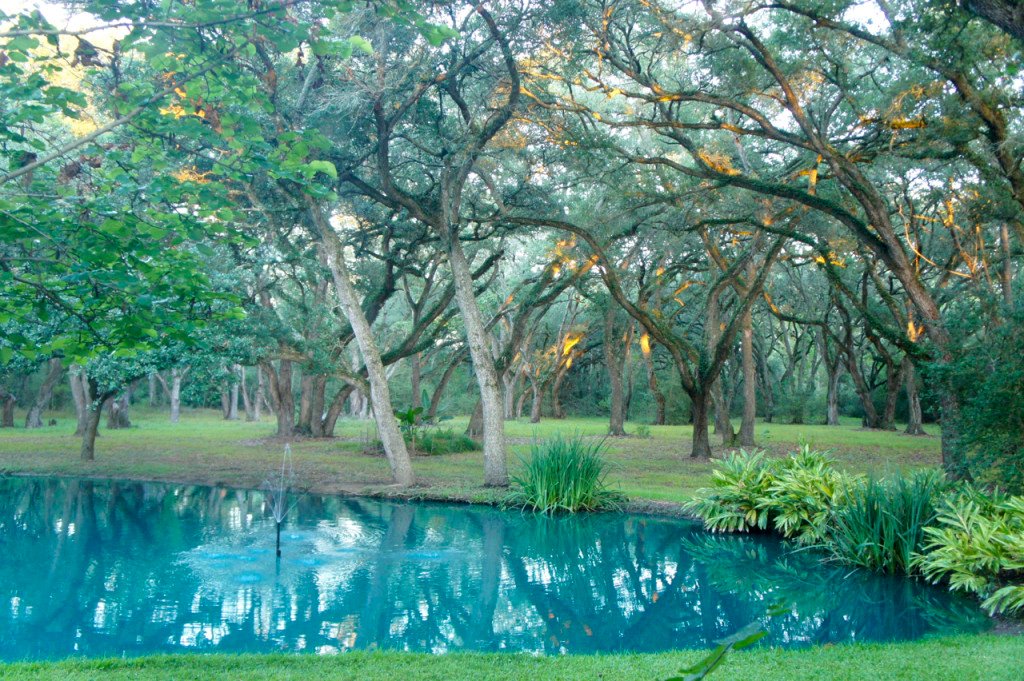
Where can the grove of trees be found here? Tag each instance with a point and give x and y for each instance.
(663, 212)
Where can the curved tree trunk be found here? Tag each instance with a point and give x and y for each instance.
(383, 411)
(495, 458)
(34, 418)
(334, 410)
(449, 371)
(93, 411)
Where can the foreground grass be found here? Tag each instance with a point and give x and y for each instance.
(205, 449)
(961, 658)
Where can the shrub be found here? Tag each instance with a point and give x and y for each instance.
(564, 475)
(804, 493)
(794, 495)
(880, 524)
(643, 430)
(978, 545)
(444, 441)
(739, 488)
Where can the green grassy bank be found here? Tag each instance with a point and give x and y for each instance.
(962, 658)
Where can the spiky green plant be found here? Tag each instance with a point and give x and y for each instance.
(564, 475)
(880, 524)
(977, 544)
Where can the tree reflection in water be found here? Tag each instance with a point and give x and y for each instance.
(107, 568)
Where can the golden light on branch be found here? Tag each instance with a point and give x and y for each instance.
(571, 340)
(718, 162)
(914, 331)
(645, 344)
(190, 175)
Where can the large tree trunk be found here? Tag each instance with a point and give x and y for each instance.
(34, 418)
(249, 404)
(93, 411)
(701, 442)
(557, 411)
(746, 436)
(173, 391)
(152, 390)
(723, 421)
(384, 413)
(767, 389)
(647, 349)
(475, 428)
(305, 403)
(415, 371)
(495, 460)
(80, 395)
(893, 384)
(233, 396)
(260, 398)
(281, 398)
(538, 398)
(614, 359)
(8, 401)
(91, 426)
(117, 411)
(914, 418)
(316, 406)
(334, 410)
(832, 398)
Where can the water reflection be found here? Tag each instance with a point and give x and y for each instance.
(130, 568)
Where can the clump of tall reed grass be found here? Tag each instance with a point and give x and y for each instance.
(564, 476)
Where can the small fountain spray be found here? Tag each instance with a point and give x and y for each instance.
(276, 486)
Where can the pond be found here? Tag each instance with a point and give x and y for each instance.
(115, 568)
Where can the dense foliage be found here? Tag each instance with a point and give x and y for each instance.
(916, 524)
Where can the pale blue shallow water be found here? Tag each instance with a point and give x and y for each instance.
(111, 569)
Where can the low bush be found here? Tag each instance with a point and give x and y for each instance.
(443, 441)
(564, 475)
(429, 442)
(977, 544)
(793, 496)
(880, 524)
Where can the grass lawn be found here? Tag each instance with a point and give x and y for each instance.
(204, 449)
(961, 658)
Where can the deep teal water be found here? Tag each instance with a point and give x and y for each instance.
(112, 569)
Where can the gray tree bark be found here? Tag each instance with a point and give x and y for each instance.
(384, 413)
(495, 457)
(34, 418)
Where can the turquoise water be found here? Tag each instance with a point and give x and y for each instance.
(112, 569)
